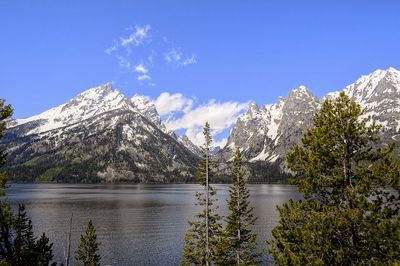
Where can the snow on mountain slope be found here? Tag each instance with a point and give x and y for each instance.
(146, 107)
(189, 144)
(99, 135)
(268, 133)
(90, 103)
(264, 133)
(379, 95)
(118, 145)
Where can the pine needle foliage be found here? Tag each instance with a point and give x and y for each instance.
(204, 231)
(87, 253)
(18, 245)
(238, 243)
(350, 184)
(5, 113)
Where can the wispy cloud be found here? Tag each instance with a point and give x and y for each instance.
(124, 63)
(111, 49)
(137, 37)
(189, 61)
(143, 77)
(141, 69)
(176, 56)
(143, 49)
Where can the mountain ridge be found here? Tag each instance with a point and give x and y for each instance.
(263, 133)
(267, 133)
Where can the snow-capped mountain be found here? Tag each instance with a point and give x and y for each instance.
(85, 105)
(190, 145)
(267, 133)
(99, 135)
(146, 107)
(379, 95)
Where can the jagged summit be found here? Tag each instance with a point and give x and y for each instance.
(145, 106)
(262, 133)
(98, 90)
(112, 128)
(99, 135)
(365, 86)
(301, 90)
(87, 104)
(268, 133)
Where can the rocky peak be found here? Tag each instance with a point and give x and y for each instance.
(189, 145)
(146, 107)
(253, 108)
(90, 103)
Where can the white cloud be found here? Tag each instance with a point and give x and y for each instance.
(220, 116)
(144, 77)
(141, 69)
(175, 56)
(168, 103)
(143, 49)
(123, 62)
(137, 37)
(112, 48)
(189, 61)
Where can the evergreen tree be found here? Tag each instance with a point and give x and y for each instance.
(5, 113)
(87, 252)
(350, 184)
(44, 251)
(6, 217)
(204, 232)
(238, 244)
(18, 245)
(24, 243)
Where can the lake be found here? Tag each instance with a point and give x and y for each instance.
(136, 224)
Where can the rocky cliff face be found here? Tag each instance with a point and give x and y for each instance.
(266, 134)
(102, 136)
(98, 136)
(379, 95)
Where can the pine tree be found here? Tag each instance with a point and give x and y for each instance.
(87, 252)
(6, 217)
(350, 184)
(238, 244)
(24, 243)
(5, 113)
(204, 232)
(18, 245)
(44, 251)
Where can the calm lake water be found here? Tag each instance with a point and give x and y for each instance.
(136, 224)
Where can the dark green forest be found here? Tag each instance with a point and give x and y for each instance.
(349, 213)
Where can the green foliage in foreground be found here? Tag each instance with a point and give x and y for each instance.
(238, 243)
(18, 245)
(350, 183)
(87, 253)
(203, 235)
(5, 113)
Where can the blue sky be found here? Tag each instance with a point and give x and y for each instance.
(229, 51)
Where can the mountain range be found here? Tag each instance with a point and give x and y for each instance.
(103, 136)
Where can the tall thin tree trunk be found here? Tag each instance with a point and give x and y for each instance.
(207, 191)
(69, 242)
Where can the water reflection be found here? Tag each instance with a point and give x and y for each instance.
(137, 224)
